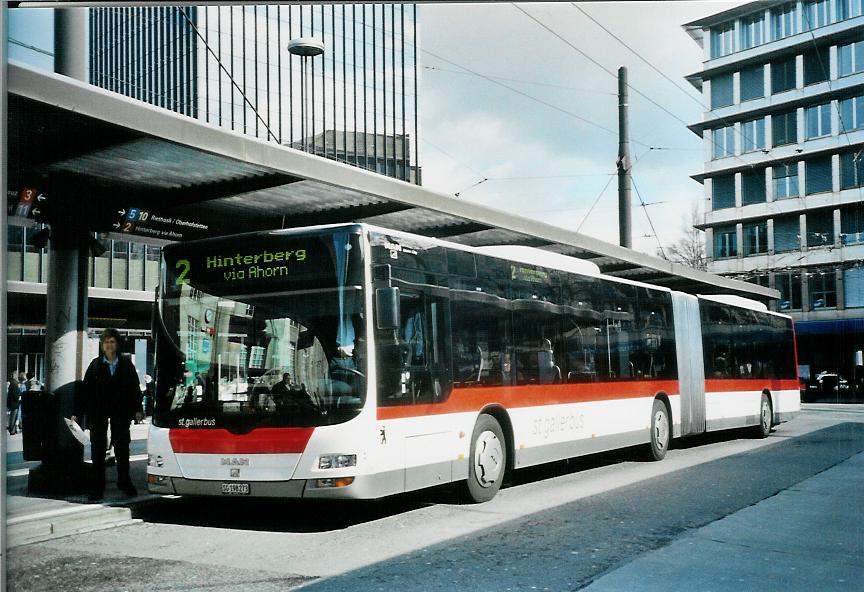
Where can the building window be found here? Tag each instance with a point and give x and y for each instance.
(817, 174)
(851, 114)
(853, 287)
(851, 169)
(755, 238)
(851, 58)
(724, 141)
(852, 224)
(752, 31)
(722, 40)
(784, 128)
(787, 234)
(816, 14)
(758, 279)
(193, 330)
(725, 242)
(721, 91)
(753, 135)
(753, 187)
(783, 75)
(820, 228)
(753, 83)
(822, 286)
(848, 9)
(15, 255)
(783, 22)
(816, 66)
(789, 286)
(723, 192)
(785, 180)
(818, 121)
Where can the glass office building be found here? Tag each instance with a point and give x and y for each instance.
(230, 66)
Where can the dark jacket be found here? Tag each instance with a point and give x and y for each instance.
(13, 395)
(104, 396)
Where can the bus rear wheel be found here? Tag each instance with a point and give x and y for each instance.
(765, 416)
(661, 431)
(487, 461)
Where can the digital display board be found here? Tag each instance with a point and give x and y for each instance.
(264, 262)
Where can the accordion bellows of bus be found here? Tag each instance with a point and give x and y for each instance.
(357, 362)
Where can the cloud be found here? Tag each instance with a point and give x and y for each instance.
(489, 131)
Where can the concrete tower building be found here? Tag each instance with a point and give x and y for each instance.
(784, 166)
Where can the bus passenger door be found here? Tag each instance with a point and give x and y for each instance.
(414, 372)
(429, 438)
(691, 369)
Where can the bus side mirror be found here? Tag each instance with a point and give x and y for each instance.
(387, 308)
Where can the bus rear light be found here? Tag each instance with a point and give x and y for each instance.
(337, 461)
(335, 482)
(156, 479)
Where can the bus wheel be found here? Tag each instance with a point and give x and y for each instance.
(661, 430)
(487, 461)
(765, 415)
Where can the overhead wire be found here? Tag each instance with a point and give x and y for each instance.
(231, 78)
(530, 97)
(596, 63)
(531, 82)
(647, 215)
(637, 54)
(653, 67)
(603, 191)
(14, 41)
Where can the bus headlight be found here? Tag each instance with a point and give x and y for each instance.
(337, 461)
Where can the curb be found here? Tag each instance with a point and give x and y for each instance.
(53, 524)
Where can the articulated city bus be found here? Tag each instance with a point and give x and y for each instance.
(356, 362)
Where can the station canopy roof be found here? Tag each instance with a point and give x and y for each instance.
(72, 140)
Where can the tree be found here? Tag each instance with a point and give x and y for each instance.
(689, 250)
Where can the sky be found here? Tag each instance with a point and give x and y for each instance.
(473, 129)
(539, 155)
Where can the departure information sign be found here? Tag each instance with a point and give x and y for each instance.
(263, 262)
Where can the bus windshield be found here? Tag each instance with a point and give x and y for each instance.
(263, 332)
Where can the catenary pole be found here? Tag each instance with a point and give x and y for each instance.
(625, 232)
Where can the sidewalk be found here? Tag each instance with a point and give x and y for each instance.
(808, 537)
(31, 519)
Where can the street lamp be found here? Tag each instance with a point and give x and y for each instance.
(305, 47)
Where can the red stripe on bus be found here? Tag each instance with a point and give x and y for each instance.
(464, 399)
(259, 441)
(726, 385)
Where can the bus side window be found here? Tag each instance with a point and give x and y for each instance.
(413, 329)
(422, 340)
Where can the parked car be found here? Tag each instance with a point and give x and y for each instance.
(826, 385)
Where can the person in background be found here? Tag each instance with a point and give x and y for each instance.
(22, 390)
(13, 399)
(33, 383)
(110, 393)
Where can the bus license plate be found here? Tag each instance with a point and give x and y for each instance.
(235, 489)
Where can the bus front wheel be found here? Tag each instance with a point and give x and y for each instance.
(661, 430)
(487, 461)
(765, 416)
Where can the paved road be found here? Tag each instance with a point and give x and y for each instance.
(557, 528)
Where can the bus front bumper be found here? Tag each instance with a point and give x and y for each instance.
(365, 487)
